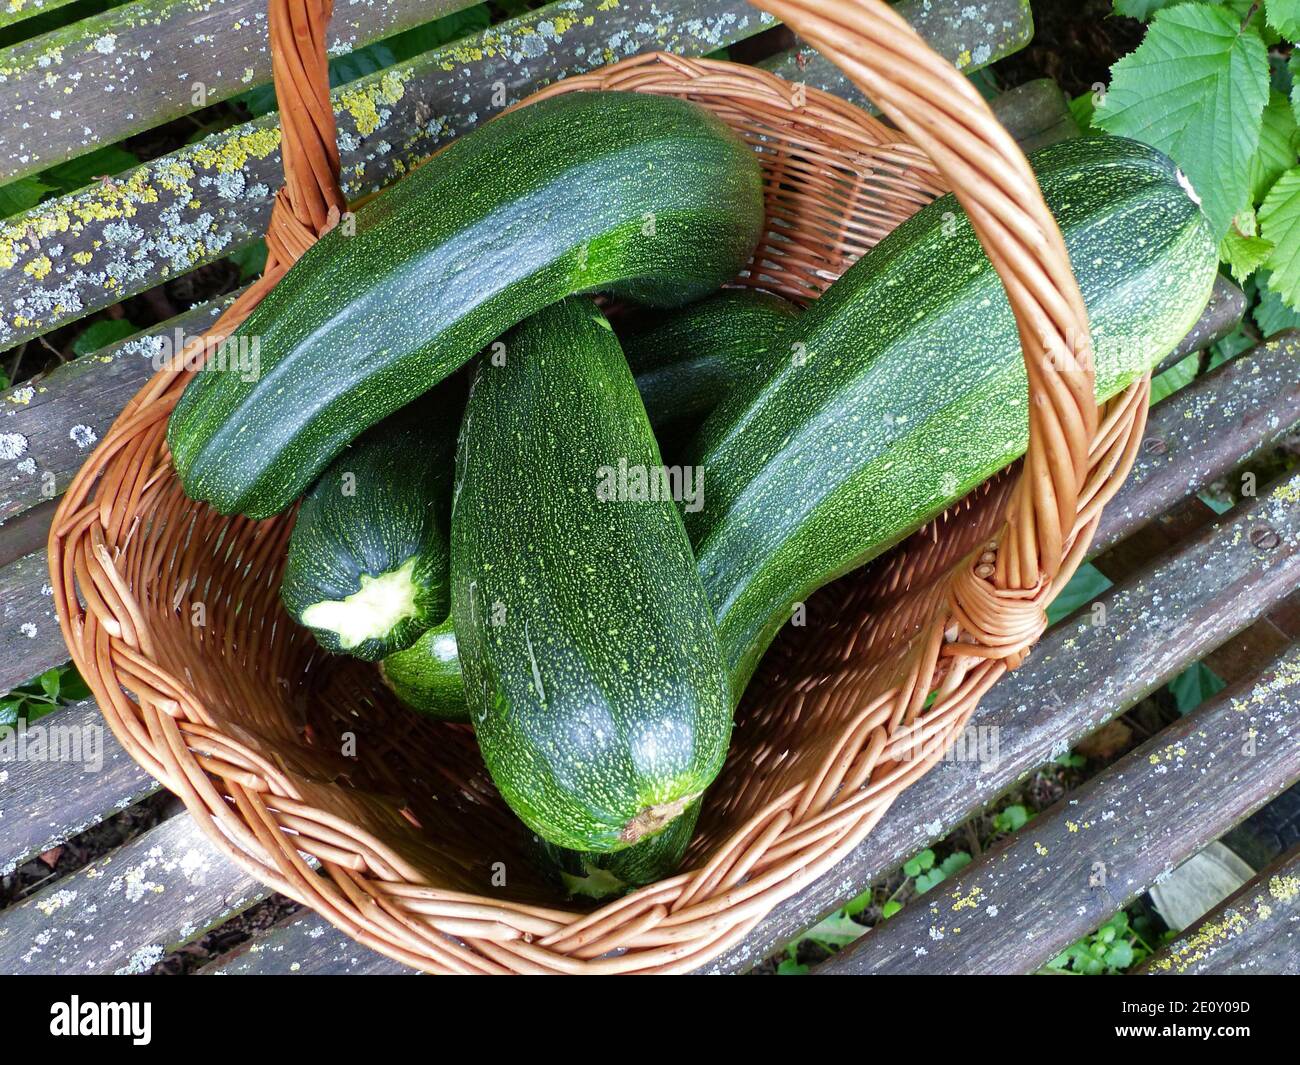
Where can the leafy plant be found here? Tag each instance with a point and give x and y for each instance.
(43, 695)
(1213, 84)
(1119, 944)
(101, 333)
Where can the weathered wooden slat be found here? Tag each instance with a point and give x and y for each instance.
(1100, 847)
(45, 801)
(128, 69)
(1078, 677)
(14, 11)
(94, 248)
(305, 945)
(970, 35)
(49, 425)
(125, 911)
(1256, 931)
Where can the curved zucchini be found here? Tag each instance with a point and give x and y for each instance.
(648, 197)
(591, 663)
(910, 386)
(367, 567)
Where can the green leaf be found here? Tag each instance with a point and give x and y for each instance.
(1244, 253)
(926, 881)
(1120, 955)
(73, 688)
(1279, 222)
(1195, 88)
(1277, 146)
(1194, 685)
(1284, 16)
(1011, 819)
(9, 710)
(890, 908)
(1142, 10)
(856, 906)
(791, 967)
(101, 333)
(919, 864)
(835, 932)
(955, 861)
(1118, 922)
(78, 173)
(18, 196)
(251, 260)
(1271, 314)
(1179, 375)
(50, 680)
(1087, 583)
(1083, 107)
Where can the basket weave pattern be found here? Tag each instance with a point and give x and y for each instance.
(302, 769)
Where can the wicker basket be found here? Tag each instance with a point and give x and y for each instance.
(171, 611)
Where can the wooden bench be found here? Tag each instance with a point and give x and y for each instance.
(1188, 583)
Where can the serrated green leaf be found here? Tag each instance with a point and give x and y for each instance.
(1284, 16)
(1142, 10)
(101, 333)
(926, 881)
(1277, 147)
(1243, 254)
(1271, 314)
(955, 861)
(890, 908)
(18, 196)
(1279, 223)
(1011, 819)
(1195, 88)
(1193, 686)
(1120, 955)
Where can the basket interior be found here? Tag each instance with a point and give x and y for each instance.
(325, 733)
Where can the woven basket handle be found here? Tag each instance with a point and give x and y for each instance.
(930, 101)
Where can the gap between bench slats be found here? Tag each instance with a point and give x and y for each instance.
(208, 199)
(1093, 852)
(1158, 623)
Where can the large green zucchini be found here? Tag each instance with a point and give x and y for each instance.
(368, 562)
(427, 675)
(909, 386)
(590, 658)
(648, 197)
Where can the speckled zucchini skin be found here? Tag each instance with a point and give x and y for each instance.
(910, 387)
(591, 662)
(583, 874)
(648, 197)
(399, 473)
(687, 360)
(427, 675)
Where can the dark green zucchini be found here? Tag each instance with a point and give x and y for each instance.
(685, 361)
(592, 670)
(909, 388)
(427, 677)
(368, 562)
(601, 876)
(647, 197)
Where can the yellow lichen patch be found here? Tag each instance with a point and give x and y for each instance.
(363, 103)
(1198, 946)
(1072, 826)
(1042, 851)
(81, 258)
(963, 59)
(1284, 888)
(607, 5)
(969, 901)
(1287, 493)
(231, 155)
(39, 267)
